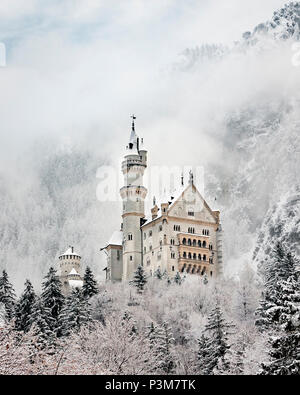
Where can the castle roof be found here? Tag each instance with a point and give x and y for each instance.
(70, 251)
(116, 238)
(75, 283)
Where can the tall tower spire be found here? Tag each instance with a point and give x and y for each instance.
(133, 194)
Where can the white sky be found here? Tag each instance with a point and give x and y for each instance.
(84, 65)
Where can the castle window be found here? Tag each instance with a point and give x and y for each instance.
(148, 262)
(130, 257)
(189, 242)
(160, 228)
(194, 243)
(130, 236)
(199, 257)
(173, 268)
(211, 274)
(190, 256)
(150, 233)
(145, 235)
(164, 221)
(118, 255)
(173, 255)
(191, 212)
(150, 247)
(184, 241)
(194, 256)
(199, 243)
(204, 257)
(184, 254)
(172, 241)
(177, 228)
(204, 244)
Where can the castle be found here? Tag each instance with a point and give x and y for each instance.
(182, 234)
(70, 270)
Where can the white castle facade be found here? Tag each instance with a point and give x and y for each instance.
(182, 234)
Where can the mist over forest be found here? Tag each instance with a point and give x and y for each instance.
(231, 107)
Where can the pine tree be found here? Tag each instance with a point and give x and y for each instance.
(217, 345)
(164, 342)
(203, 354)
(158, 274)
(128, 318)
(139, 279)
(279, 314)
(38, 321)
(24, 308)
(90, 287)
(7, 296)
(278, 307)
(52, 299)
(178, 279)
(75, 313)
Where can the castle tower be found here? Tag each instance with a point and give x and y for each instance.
(70, 270)
(133, 194)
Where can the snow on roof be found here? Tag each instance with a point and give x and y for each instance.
(116, 238)
(70, 251)
(76, 283)
(73, 271)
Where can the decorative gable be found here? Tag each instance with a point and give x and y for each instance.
(191, 205)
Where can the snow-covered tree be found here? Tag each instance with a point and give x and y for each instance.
(177, 279)
(158, 274)
(7, 296)
(41, 330)
(75, 312)
(246, 296)
(139, 279)
(164, 344)
(278, 307)
(203, 354)
(90, 287)
(52, 298)
(213, 348)
(279, 314)
(24, 308)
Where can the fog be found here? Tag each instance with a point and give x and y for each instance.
(76, 71)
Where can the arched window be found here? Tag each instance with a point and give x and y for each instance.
(204, 257)
(184, 241)
(130, 236)
(204, 244)
(199, 243)
(189, 242)
(194, 243)
(184, 254)
(190, 256)
(194, 256)
(199, 257)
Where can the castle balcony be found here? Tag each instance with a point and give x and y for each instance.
(193, 267)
